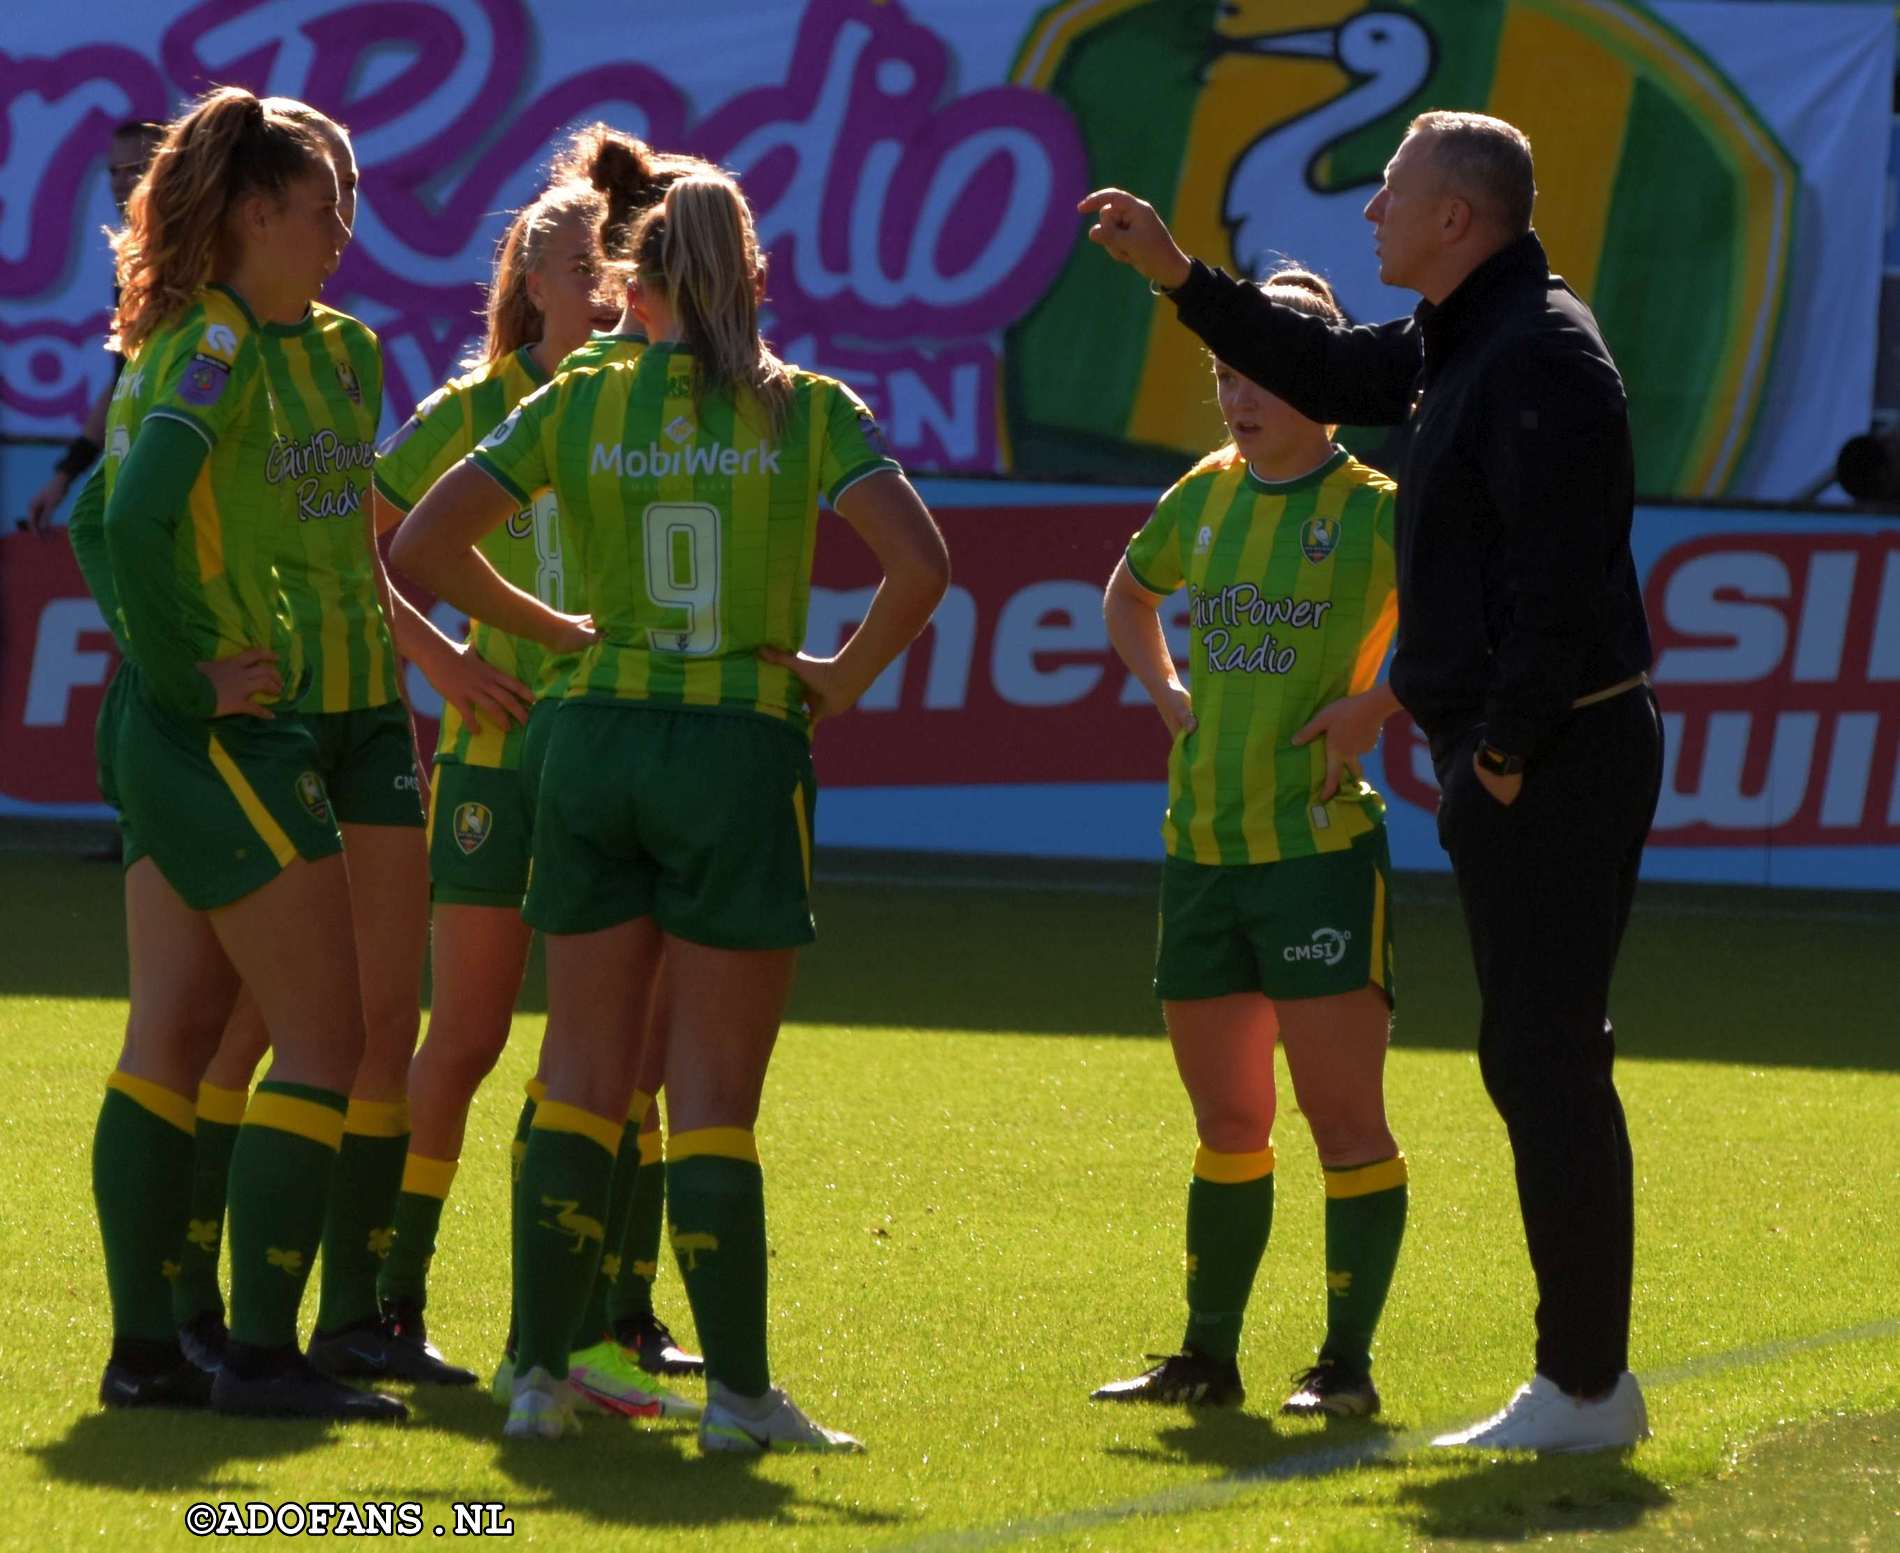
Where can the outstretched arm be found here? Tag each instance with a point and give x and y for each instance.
(1363, 376)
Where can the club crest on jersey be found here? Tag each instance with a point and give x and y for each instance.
(473, 822)
(1204, 541)
(204, 380)
(346, 375)
(311, 795)
(1318, 538)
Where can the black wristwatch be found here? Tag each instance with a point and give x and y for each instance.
(1494, 760)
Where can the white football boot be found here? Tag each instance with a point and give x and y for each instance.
(1544, 1417)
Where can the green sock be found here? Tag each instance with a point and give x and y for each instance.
(141, 1184)
(517, 1152)
(360, 1227)
(566, 1178)
(717, 1196)
(632, 1295)
(195, 1289)
(593, 1326)
(1365, 1221)
(1229, 1216)
(425, 1188)
(280, 1185)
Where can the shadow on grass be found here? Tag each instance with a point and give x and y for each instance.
(154, 1450)
(1067, 948)
(1516, 1500)
(622, 1473)
(1242, 1444)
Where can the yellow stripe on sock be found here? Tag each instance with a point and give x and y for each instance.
(652, 1147)
(537, 1091)
(1232, 1169)
(427, 1177)
(1364, 1180)
(224, 1106)
(267, 828)
(166, 1104)
(377, 1118)
(305, 1118)
(553, 1116)
(638, 1107)
(721, 1142)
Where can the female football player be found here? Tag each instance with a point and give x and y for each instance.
(233, 856)
(676, 802)
(1275, 919)
(543, 300)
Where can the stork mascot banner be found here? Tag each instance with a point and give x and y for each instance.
(1704, 168)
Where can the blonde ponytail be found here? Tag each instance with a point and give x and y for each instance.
(226, 146)
(700, 244)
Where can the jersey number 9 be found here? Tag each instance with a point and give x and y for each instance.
(683, 573)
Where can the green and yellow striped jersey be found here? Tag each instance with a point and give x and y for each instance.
(326, 384)
(205, 368)
(526, 549)
(692, 525)
(1291, 605)
(601, 349)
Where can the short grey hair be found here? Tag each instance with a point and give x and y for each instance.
(1484, 157)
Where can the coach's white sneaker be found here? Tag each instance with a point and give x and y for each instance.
(542, 1408)
(754, 1425)
(1543, 1417)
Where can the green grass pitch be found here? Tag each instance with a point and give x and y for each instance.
(976, 1150)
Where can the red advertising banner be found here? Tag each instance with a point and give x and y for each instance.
(1778, 668)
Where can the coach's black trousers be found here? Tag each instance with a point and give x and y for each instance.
(1546, 886)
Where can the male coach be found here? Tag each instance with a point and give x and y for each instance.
(1522, 652)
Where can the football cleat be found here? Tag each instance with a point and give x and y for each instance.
(202, 1339)
(602, 1374)
(1189, 1377)
(653, 1349)
(540, 1408)
(155, 1380)
(1327, 1389)
(408, 1336)
(378, 1349)
(752, 1426)
(285, 1384)
(1544, 1417)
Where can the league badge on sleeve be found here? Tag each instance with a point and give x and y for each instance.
(204, 380)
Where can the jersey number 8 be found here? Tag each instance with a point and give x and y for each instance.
(683, 573)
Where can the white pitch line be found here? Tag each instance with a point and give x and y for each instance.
(1330, 1459)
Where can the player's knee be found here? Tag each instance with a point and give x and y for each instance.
(1352, 1141)
(1235, 1129)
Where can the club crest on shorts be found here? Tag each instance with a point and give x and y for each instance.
(346, 375)
(473, 822)
(1318, 537)
(311, 795)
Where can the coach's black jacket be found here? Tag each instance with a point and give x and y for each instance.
(1517, 591)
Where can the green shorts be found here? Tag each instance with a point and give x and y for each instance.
(699, 819)
(220, 805)
(367, 759)
(105, 749)
(1307, 927)
(481, 823)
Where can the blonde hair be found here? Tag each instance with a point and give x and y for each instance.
(225, 147)
(699, 243)
(328, 131)
(513, 318)
(630, 175)
(1304, 292)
